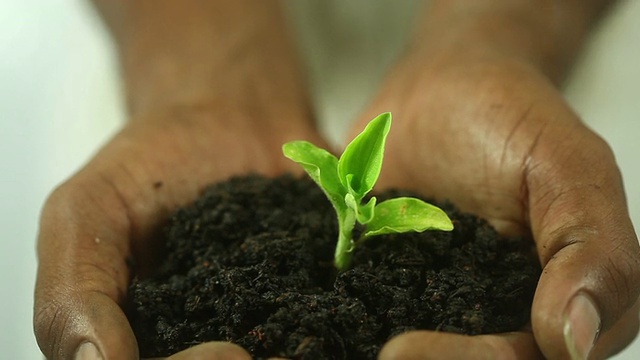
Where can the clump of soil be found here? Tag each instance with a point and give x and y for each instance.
(251, 262)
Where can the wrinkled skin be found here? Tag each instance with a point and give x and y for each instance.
(498, 139)
(95, 228)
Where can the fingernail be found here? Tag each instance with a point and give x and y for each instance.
(581, 326)
(88, 351)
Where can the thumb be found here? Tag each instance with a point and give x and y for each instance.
(87, 326)
(584, 291)
(82, 275)
(590, 255)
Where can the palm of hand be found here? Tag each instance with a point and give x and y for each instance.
(502, 143)
(478, 138)
(103, 218)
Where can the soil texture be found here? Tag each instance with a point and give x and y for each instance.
(251, 262)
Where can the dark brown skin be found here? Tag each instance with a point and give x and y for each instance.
(478, 119)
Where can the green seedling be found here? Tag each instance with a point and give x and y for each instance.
(346, 182)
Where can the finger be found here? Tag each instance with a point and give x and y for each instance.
(586, 244)
(424, 345)
(83, 275)
(212, 351)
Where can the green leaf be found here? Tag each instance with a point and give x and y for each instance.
(322, 167)
(351, 202)
(363, 213)
(407, 214)
(362, 159)
(366, 212)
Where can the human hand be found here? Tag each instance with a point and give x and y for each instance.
(496, 137)
(97, 228)
(213, 89)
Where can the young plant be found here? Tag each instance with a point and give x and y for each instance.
(346, 182)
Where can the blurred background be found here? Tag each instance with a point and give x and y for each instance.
(60, 99)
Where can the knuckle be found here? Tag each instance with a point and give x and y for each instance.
(87, 196)
(62, 196)
(69, 199)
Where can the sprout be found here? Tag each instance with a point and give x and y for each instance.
(346, 182)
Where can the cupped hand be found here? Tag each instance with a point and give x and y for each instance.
(497, 138)
(97, 228)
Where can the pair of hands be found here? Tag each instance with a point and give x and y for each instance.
(496, 138)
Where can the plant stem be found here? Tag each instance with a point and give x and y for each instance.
(344, 248)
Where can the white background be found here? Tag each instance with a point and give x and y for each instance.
(60, 100)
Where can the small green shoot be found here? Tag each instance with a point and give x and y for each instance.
(346, 182)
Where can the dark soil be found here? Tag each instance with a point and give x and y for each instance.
(251, 262)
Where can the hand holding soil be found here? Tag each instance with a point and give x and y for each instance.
(496, 137)
(97, 229)
(197, 116)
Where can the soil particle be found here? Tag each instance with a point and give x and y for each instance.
(251, 262)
